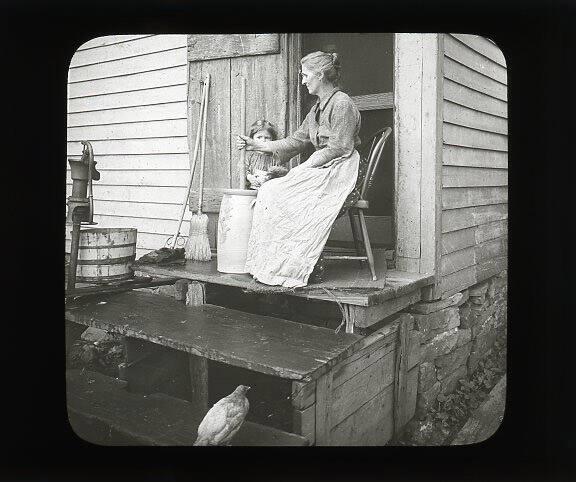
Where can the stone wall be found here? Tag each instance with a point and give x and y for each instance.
(455, 334)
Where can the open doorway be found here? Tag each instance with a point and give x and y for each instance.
(367, 76)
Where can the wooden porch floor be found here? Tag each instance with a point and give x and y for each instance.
(344, 281)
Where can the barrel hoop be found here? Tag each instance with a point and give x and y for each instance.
(102, 262)
(107, 246)
(104, 279)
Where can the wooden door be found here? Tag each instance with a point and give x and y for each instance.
(263, 60)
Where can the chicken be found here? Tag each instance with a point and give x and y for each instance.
(224, 419)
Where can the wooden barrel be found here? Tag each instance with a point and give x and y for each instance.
(106, 254)
(234, 225)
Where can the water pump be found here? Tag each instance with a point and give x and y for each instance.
(80, 203)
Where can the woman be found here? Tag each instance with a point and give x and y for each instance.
(294, 214)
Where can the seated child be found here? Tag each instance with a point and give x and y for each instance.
(261, 167)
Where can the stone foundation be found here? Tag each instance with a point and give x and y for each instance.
(456, 333)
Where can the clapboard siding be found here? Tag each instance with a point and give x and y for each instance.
(141, 113)
(142, 177)
(144, 63)
(465, 55)
(456, 135)
(142, 162)
(455, 219)
(453, 198)
(159, 194)
(474, 239)
(125, 50)
(151, 145)
(130, 82)
(468, 77)
(470, 157)
(467, 97)
(132, 130)
(128, 97)
(483, 46)
(109, 40)
(469, 117)
(158, 95)
(456, 176)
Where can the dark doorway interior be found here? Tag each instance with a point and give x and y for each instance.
(367, 76)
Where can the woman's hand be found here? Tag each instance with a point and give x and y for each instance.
(245, 142)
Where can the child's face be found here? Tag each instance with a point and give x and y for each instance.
(263, 135)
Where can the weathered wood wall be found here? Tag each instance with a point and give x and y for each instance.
(265, 67)
(266, 97)
(354, 403)
(127, 95)
(474, 162)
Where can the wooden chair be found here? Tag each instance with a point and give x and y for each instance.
(377, 142)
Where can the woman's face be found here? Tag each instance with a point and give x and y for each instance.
(311, 80)
(263, 135)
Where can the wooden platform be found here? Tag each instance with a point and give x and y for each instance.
(102, 411)
(260, 343)
(341, 280)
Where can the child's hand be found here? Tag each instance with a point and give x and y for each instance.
(254, 181)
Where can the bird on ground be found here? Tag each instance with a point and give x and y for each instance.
(224, 419)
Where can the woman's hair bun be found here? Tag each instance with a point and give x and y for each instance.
(336, 60)
(327, 63)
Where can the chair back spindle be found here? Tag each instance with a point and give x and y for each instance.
(374, 156)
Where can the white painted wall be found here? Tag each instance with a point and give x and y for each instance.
(127, 96)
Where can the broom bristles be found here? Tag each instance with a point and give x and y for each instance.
(198, 245)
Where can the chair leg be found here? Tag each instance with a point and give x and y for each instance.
(355, 235)
(367, 244)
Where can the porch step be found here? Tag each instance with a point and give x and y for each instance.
(103, 412)
(263, 344)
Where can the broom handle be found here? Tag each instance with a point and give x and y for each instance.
(243, 131)
(194, 158)
(203, 155)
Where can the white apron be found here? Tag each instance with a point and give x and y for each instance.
(293, 216)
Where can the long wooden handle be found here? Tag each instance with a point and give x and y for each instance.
(243, 131)
(203, 156)
(192, 168)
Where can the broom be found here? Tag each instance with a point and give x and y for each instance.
(198, 245)
(193, 167)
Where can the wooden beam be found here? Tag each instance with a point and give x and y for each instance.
(323, 409)
(198, 365)
(364, 317)
(408, 142)
(304, 423)
(219, 46)
(400, 378)
(294, 117)
(120, 287)
(381, 100)
(303, 394)
(432, 125)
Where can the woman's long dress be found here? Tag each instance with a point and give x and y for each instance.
(294, 214)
